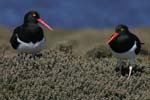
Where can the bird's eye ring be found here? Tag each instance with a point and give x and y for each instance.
(122, 29)
(33, 14)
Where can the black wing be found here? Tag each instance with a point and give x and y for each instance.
(138, 43)
(13, 40)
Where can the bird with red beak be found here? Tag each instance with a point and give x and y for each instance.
(29, 37)
(124, 45)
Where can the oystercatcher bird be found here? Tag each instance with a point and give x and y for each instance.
(29, 37)
(124, 45)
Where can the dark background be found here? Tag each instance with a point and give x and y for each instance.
(77, 14)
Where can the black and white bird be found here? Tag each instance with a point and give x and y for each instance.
(29, 37)
(124, 45)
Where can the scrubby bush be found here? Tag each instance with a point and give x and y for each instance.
(99, 52)
(63, 76)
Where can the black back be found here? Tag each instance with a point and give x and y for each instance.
(124, 41)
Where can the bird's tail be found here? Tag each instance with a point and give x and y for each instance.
(142, 43)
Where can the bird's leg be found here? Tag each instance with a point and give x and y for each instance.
(36, 55)
(131, 67)
(130, 71)
(119, 66)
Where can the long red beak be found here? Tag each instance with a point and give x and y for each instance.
(44, 24)
(114, 36)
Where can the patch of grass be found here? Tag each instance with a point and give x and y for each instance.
(145, 52)
(99, 52)
(63, 76)
(63, 73)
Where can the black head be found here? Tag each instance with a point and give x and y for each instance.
(31, 17)
(34, 17)
(121, 29)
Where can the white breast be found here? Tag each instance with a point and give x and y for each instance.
(30, 47)
(129, 54)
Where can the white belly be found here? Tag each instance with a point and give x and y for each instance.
(30, 47)
(129, 54)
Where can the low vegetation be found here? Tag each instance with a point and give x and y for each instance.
(80, 68)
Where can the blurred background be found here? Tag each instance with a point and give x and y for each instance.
(78, 14)
(82, 24)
